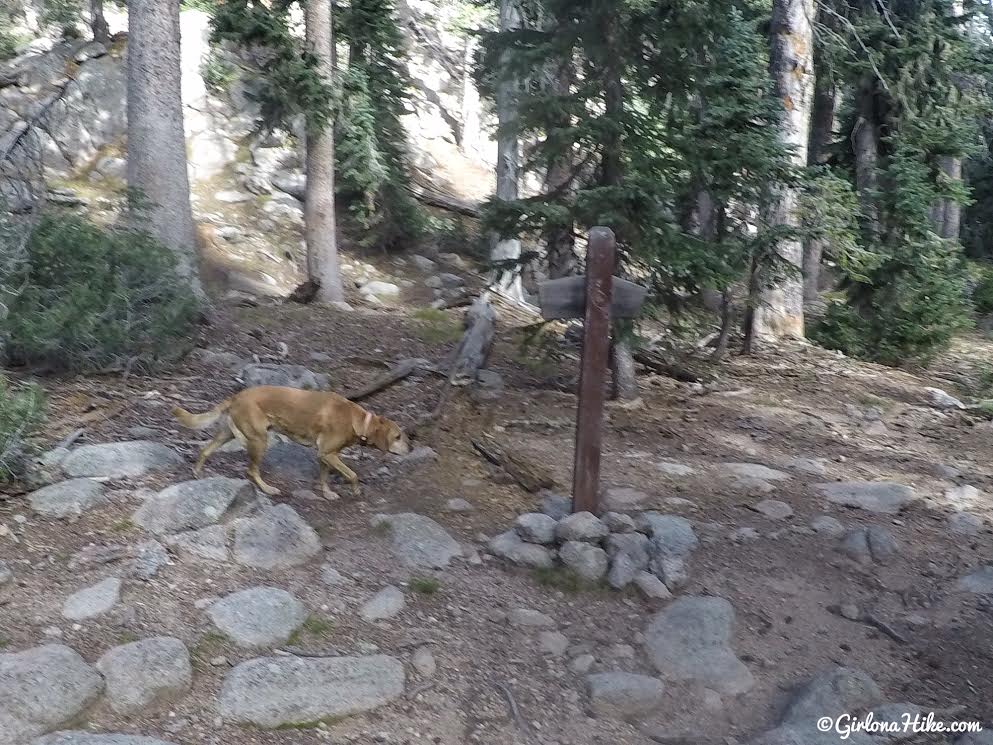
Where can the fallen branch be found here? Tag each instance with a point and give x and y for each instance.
(515, 712)
(525, 472)
(395, 374)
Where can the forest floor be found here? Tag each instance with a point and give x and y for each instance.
(497, 681)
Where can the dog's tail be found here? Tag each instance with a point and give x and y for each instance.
(200, 421)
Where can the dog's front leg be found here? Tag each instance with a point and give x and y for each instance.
(335, 462)
(329, 493)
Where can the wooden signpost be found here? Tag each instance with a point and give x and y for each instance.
(596, 298)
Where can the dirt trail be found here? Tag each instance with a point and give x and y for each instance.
(500, 683)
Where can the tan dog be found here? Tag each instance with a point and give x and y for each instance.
(315, 418)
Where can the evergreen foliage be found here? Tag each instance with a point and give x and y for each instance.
(115, 297)
(22, 408)
(911, 297)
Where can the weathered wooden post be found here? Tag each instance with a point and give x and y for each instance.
(593, 371)
(596, 298)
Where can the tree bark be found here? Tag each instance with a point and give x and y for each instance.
(821, 132)
(508, 159)
(779, 310)
(469, 143)
(98, 24)
(319, 217)
(157, 175)
(560, 242)
(948, 212)
(625, 380)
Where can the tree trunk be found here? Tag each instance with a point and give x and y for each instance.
(948, 212)
(98, 24)
(865, 140)
(508, 161)
(319, 218)
(157, 174)
(821, 132)
(779, 311)
(625, 381)
(560, 242)
(469, 143)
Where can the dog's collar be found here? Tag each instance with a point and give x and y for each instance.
(364, 436)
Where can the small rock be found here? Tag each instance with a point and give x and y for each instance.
(553, 642)
(92, 601)
(670, 468)
(145, 674)
(458, 505)
(380, 289)
(386, 603)
(940, 399)
(258, 616)
(963, 496)
(875, 496)
(622, 571)
(209, 543)
(42, 689)
(510, 546)
(850, 611)
(965, 523)
(192, 505)
(424, 663)
(690, 642)
(979, 582)
(418, 541)
(618, 522)
(423, 263)
(119, 460)
(275, 538)
(753, 471)
(333, 578)
(582, 664)
(587, 561)
(827, 525)
(273, 692)
(634, 545)
(535, 527)
(623, 498)
(67, 498)
(812, 466)
(525, 617)
(872, 544)
(744, 535)
(420, 454)
(830, 693)
(651, 586)
(149, 557)
(581, 526)
(6, 575)
(289, 376)
(773, 509)
(451, 280)
(624, 695)
(556, 506)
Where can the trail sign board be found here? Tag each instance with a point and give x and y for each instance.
(595, 298)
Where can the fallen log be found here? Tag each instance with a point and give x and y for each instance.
(395, 374)
(522, 469)
(655, 362)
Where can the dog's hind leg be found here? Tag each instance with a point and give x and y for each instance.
(223, 435)
(257, 445)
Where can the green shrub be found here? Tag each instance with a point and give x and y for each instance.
(88, 298)
(22, 407)
(63, 15)
(218, 73)
(982, 287)
(8, 45)
(910, 313)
